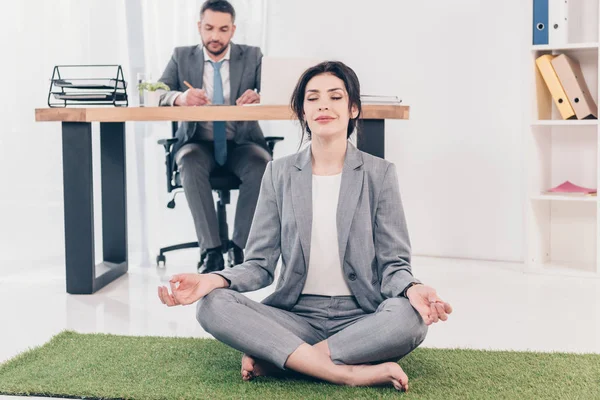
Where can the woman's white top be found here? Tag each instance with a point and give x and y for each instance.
(325, 276)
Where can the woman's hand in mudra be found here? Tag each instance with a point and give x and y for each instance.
(189, 288)
(426, 301)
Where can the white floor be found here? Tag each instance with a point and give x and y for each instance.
(497, 306)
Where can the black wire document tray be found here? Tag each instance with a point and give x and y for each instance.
(79, 85)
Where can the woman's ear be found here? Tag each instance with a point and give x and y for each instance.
(354, 112)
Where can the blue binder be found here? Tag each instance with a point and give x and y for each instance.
(540, 21)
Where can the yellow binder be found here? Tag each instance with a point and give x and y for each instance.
(544, 64)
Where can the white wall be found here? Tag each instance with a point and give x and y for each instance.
(35, 36)
(462, 67)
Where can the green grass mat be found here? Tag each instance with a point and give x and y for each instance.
(109, 366)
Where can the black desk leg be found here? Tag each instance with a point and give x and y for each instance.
(114, 200)
(371, 137)
(83, 276)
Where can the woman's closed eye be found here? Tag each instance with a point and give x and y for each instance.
(332, 98)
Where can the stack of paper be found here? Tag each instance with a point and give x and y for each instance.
(569, 189)
(374, 99)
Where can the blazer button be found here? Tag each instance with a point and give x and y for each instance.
(352, 276)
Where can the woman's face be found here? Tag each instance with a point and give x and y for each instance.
(326, 107)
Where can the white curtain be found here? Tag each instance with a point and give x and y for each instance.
(36, 35)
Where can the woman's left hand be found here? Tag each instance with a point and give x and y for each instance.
(426, 301)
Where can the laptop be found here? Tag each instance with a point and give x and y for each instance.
(279, 77)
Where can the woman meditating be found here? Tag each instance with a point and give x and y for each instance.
(346, 306)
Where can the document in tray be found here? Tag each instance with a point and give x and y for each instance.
(569, 189)
(87, 96)
(108, 84)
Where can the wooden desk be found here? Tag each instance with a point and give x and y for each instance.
(83, 276)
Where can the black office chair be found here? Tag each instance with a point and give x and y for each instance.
(221, 180)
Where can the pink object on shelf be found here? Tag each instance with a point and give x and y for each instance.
(568, 187)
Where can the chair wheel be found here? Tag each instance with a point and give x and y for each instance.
(160, 258)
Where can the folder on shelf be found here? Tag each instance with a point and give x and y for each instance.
(544, 64)
(571, 78)
(557, 22)
(569, 189)
(540, 21)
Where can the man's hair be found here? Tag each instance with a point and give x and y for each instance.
(335, 68)
(218, 6)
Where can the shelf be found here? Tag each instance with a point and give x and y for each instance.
(563, 122)
(557, 197)
(562, 229)
(566, 47)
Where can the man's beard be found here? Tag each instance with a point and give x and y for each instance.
(216, 53)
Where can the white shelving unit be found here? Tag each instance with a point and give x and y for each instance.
(563, 232)
(569, 46)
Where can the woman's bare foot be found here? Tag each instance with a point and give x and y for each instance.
(251, 368)
(380, 374)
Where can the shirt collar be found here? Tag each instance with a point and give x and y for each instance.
(207, 57)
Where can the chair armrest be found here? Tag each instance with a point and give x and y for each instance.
(272, 141)
(167, 143)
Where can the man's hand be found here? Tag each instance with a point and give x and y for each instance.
(189, 288)
(192, 97)
(426, 301)
(249, 97)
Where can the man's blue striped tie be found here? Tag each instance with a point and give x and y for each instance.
(219, 134)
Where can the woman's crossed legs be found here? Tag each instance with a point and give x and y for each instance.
(340, 353)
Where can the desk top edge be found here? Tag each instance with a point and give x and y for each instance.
(227, 113)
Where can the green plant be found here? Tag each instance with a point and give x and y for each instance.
(152, 86)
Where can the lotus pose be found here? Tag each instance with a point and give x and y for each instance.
(346, 306)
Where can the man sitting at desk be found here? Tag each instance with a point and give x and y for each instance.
(218, 72)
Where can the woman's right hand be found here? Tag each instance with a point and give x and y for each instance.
(189, 288)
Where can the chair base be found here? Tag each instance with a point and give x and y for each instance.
(192, 245)
(181, 246)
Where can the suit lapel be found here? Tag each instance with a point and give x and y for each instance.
(197, 68)
(301, 184)
(236, 67)
(350, 190)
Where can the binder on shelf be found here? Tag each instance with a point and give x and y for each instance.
(544, 64)
(87, 85)
(558, 29)
(540, 21)
(571, 78)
